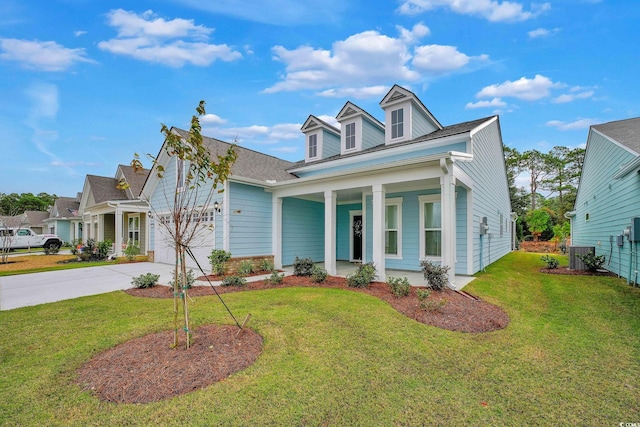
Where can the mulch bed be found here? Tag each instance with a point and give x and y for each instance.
(147, 370)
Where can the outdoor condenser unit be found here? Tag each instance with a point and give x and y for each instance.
(634, 235)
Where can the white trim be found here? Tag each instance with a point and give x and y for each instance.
(318, 136)
(364, 232)
(428, 198)
(395, 201)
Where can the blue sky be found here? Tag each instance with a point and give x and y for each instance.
(85, 84)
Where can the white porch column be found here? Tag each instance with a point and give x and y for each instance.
(448, 191)
(276, 231)
(378, 214)
(330, 232)
(119, 228)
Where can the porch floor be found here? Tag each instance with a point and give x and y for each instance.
(416, 278)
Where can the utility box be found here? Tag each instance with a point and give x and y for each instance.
(620, 240)
(576, 263)
(634, 235)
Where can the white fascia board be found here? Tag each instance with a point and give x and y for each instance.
(483, 125)
(462, 177)
(385, 153)
(628, 168)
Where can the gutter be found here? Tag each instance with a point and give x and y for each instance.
(628, 168)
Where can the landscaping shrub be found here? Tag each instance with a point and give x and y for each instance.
(234, 281)
(592, 261)
(302, 266)
(423, 294)
(245, 268)
(400, 286)
(266, 265)
(218, 259)
(552, 262)
(318, 274)
(94, 251)
(148, 280)
(275, 278)
(51, 250)
(190, 279)
(433, 306)
(435, 274)
(131, 250)
(363, 276)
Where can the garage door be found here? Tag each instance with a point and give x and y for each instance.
(201, 246)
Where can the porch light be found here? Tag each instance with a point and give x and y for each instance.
(217, 206)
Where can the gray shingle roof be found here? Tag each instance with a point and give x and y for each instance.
(626, 132)
(135, 179)
(65, 207)
(105, 189)
(34, 219)
(249, 164)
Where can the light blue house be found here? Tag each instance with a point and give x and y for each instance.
(608, 196)
(64, 219)
(393, 193)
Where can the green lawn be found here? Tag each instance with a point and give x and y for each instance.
(571, 356)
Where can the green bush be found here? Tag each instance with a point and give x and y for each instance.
(148, 280)
(234, 281)
(94, 251)
(131, 250)
(245, 268)
(302, 266)
(433, 306)
(400, 286)
(363, 276)
(275, 278)
(435, 274)
(190, 279)
(318, 274)
(219, 259)
(266, 265)
(423, 294)
(592, 261)
(552, 262)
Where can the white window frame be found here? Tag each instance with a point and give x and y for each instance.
(396, 201)
(350, 136)
(318, 141)
(129, 230)
(398, 126)
(180, 174)
(430, 198)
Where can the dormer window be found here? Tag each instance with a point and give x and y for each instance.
(313, 146)
(397, 123)
(350, 136)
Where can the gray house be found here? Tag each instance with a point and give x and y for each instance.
(606, 215)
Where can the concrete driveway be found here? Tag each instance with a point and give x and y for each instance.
(38, 288)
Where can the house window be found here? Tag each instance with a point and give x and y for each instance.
(350, 136)
(392, 228)
(397, 123)
(179, 174)
(134, 229)
(313, 146)
(431, 226)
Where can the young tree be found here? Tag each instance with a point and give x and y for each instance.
(538, 222)
(201, 173)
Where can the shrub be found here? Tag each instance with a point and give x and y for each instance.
(318, 274)
(51, 249)
(423, 294)
(131, 250)
(92, 251)
(102, 249)
(400, 286)
(275, 278)
(302, 266)
(266, 265)
(190, 279)
(552, 262)
(219, 258)
(76, 245)
(148, 280)
(234, 281)
(592, 261)
(363, 276)
(245, 268)
(435, 274)
(433, 306)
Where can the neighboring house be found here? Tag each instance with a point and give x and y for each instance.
(393, 193)
(110, 209)
(609, 196)
(35, 220)
(64, 219)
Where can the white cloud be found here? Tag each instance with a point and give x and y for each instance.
(492, 10)
(212, 119)
(575, 125)
(542, 32)
(79, 33)
(359, 63)
(527, 89)
(331, 120)
(494, 103)
(44, 101)
(62, 164)
(256, 134)
(567, 97)
(149, 38)
(43, 56)
(357, 93)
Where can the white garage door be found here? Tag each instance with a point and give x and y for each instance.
(201, 246)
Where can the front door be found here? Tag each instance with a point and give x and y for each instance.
(356, 237)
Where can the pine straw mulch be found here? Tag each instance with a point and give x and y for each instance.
(147, 370)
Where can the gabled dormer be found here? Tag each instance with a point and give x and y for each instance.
(406, 117)
(321, 139)
(359, 130)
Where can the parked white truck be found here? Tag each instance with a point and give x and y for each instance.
(23, 238)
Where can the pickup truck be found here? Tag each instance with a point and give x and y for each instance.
(22, 238)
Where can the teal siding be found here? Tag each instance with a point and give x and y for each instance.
(610, 203)
(420, 124)
(372, 134)
(490, 195)
(63, 230)
(343, 230)
(357, 163)
(302, 230)
(330, 144)
(249, 221)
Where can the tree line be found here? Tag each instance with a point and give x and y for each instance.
(16, 204)
(551, 193)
